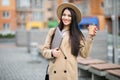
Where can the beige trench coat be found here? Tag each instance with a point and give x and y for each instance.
(64, 68)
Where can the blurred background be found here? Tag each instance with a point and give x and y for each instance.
(24, 25)
(28, 15)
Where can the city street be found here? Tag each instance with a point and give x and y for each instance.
(17, 64)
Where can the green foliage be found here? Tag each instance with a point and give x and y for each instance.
(52, 23)
(7, 36)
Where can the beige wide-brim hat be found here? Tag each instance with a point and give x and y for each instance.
(69, 5)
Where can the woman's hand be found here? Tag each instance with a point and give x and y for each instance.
(92, 30)
(56, 52)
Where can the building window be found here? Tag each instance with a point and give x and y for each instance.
(22, 26)
(84, 6)
(5, 2)
(5, 14)
(22, 16)
(49, 9)
(102, 4)
(23, 3)
(37, 3)
(6, 26)
(38, 16)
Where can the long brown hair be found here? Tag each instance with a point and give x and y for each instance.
(74, 32)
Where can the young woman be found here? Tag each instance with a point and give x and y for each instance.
(72, 45)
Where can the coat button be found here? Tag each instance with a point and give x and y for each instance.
(54, 72)
(65, 71)
(65, 57)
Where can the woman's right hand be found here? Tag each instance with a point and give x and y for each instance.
(56, 52)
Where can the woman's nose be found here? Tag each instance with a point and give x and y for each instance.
(66, 17)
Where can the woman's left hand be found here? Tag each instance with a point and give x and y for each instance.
(92, 30)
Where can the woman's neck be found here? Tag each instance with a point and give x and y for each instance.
(66, 27)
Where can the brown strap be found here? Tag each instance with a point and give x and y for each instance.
(63, 53)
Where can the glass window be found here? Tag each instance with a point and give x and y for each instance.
(102, 4)
(22, 26)
(23, 3)
(41, 16)
(6, 26)
(37, 3)
(5, 2)
(17, 3)
(5, 14)
(22, 16)
(49, 9)
(84, 7)
(38, 16)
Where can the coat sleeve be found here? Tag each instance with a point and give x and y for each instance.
(46, 51)
(85, 47)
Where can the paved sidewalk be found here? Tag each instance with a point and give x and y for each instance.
(17, 64)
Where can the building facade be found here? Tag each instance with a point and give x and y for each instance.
(7, 15)
(92, 9)
(34, 13)
(107, 11)
(112, 14)
(27, 14)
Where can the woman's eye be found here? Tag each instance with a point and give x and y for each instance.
(69, 15)
(64, 14)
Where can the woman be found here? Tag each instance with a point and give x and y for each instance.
(72, 45)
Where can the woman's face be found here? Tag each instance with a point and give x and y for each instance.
(66, 17)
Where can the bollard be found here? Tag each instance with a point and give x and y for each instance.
(34, 51)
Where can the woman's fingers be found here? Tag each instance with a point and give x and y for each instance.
(92, 30)
(56, 52)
